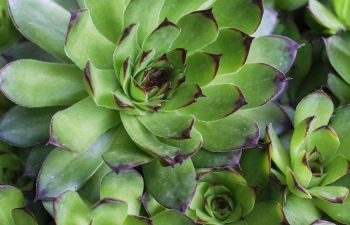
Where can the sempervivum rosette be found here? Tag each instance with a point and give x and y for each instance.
(314, 168)
(143, 80)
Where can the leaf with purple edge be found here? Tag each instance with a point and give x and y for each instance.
(208, 159)
(171, 217)
(282, 57)
(85, 43)
(109, 212)
(302, 170)
(228, 134)
(33, 83)
(172, 187)
(294, 186)
(22, 217)
(334, 194)
(137, 220)
(176, 9)
(126, 186)
(84, 121)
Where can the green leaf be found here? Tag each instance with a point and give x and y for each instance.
(43, 22)
(162, 38)
(233, 47)
(259, 83)
(124, 153)
(335, 194)
(325, 17)
(338, 51)
(316, 104)
(171, 217)
(168, 124)
(175, 9)
(71, 210)
(85, 43)
(64, 170)
(198, 29)
(302, 171)
(35, 160)
(126, 186)
(208, 159)
(10, 198)
(339, 88)
(299, 138)
(230, 133)
(342, 10)
(218, 102)
(265, 213)
(108, 17)
(334, 169)
(76, 127)
(109, 212)
(33, 83)
(277, 51)
(326, 141)
(300, 211)
(151, 205)
(23, 217)
(255, 167)
(135, 220)
(290, 4)
(172, 187)
(25, 127)
(294, 186)
(246, 18)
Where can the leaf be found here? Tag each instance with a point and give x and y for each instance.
(300, 211)
(317, 104)
(109, 212)
(25, 127)
(325, 17)
(230, 133)
(259, 83)
(33, 83)
(172, 187)
(294, 186)
(277, 51)
(302, 172)
(126, 186)
(85, 43)
(171, 217)
(218, 102)
(136, 220)
(44, 23)
(335, 169)
(23, 217)
(265, 213)
(334, 194)
(124, 153)
(338, 51)
(108, 17)
(10, 198)
(290, 4)
(339, 88)
(174, 10)
(233, 47)
(71, 210)
(198, 29)
(326, 141)
(64, 170)
(208, 159)
(35, 160)
(76, 127)
(341, 9)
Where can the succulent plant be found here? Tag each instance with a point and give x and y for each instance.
(9, 34)
(312, 165)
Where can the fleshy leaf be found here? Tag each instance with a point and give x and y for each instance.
(338, 51)
(126, 186)
(64, 170)
(198, 29)
(259, 83)
(246, 19)
(35, 160)
(25, 127)
(265, 213)
(23, 217)
(334, 194)
(70, 210)
(85, 43)
(342, 10)
(325, 140)
(298, 141)
(233, 47)
(108, 17)
(33, 83)
(109, 212)
(43, 22)
(302, 171)
(76, 127)
(339, 88)
(277, 51)
(172, 187)
(230, 133)
(136, 220)
(171, 217)
(208, 159)
(10, 198)
(175, 9)
(123, 153)
(334, 169)
(219, 101)
(294, 186)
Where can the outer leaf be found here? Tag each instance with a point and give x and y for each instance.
(339, 88)
(63, 170)
(325, 140)
(338, 212)
(10, 198)
(342, 9)
(230, 133)
(246, 18)
(294, 186)
(35, 160)
(43, 22)
(70, 210)
(338, 51)
(39, 84)
(265, 213)
(84, 42)
(198, 29)
(277, 51)
(126, 186)
(109, 212)
(23, 217)
(77, 127)
(174, 10)
(171, 186)
(171, 217)
(24, 127)
(334, 194)
(207, 159)
(135, 220)
(335, 168)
